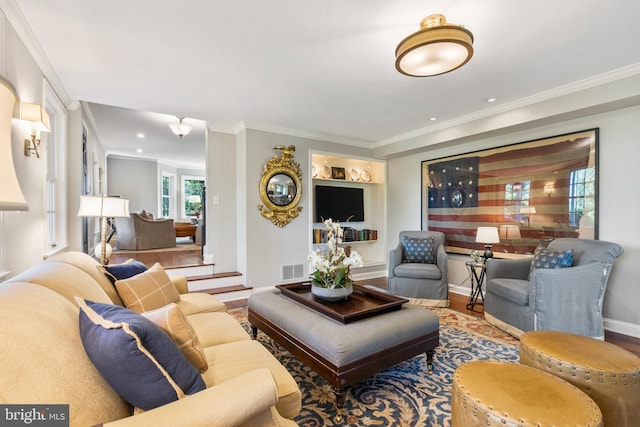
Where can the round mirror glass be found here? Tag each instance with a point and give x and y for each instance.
(281, 189)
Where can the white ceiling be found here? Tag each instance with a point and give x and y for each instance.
(325, 68)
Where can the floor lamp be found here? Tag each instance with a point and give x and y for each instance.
(103, 207)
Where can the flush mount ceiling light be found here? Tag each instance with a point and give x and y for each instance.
(437, 48)
(180, 128)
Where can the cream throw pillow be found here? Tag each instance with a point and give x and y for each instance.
(148, 290)
(171, 320)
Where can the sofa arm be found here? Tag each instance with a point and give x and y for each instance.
(508, 268)
(569, 299)
(246, 400)
(395, 258)
(181, 284)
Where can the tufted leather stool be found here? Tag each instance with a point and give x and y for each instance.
(489, 393)
(606, 372)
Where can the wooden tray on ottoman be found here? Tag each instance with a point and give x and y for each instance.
(361, 304)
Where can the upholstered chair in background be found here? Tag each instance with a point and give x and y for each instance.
(418, 268)
(138, 232)
(535, 293)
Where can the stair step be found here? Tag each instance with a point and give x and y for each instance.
(229, 293)
(225, 289)
(214, 276)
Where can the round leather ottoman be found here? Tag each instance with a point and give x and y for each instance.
(606, 372)
(486, 393)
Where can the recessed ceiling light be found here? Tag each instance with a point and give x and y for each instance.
(139, 150)
(491, 99)
(433, 118)
(140, 135)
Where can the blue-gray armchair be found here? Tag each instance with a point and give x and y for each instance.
(425, 278)
(519, 299)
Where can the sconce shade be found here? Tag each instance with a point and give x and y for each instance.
(11, 198)
(35, 114)
(110, 207)
(436, 48)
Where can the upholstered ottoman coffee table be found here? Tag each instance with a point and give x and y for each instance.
(606, 372)
(345, 342)
(505, 394)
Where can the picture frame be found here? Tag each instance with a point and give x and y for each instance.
(337, 173)
(532, 192)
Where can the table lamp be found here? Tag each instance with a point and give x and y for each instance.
(487, 235)
(103, 207)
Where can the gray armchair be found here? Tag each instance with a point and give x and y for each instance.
(569, 299)
(424, 281)
(139, 233)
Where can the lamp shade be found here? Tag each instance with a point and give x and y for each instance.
(194, 198)
(436, 48)
(509, 232)
(11, 198)
(97, 206)
(487, 235)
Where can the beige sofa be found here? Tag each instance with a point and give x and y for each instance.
(43, 360)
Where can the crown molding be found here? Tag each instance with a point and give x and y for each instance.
(588, 83)
(15, 16)
(302, 134)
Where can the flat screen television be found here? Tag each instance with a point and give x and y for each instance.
(339, 203)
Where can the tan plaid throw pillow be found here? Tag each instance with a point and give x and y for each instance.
(148, 290)
(171, 320)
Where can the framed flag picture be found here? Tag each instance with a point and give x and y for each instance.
(532, 192)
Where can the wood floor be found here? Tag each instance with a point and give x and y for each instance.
(457, 302)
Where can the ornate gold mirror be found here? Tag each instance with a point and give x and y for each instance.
(281, 188)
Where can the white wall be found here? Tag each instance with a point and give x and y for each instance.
(136, 180)
(619, 203)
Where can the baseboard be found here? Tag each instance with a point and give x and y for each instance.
(624, 328)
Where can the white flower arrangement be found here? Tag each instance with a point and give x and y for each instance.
(332, 268)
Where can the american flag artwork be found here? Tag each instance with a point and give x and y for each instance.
(533, 192)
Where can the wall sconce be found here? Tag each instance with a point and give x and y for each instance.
(549, 189)
(39, 119)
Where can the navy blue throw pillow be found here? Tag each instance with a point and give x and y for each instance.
(138, 360)
(418, 250)
(123, 271)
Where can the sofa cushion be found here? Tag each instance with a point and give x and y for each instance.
(173, 322)
(135, 357)
(200, 302)
(230, 360)
(418, 271)
(127, 269)
(516, 290)
(148, 290)
(418, 250)
(545, 258)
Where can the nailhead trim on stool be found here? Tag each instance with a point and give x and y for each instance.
(490, 393)
(606, 372)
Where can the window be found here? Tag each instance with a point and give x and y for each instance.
(55, 185)
(582, 197)
(167, 209)
(516, 196)
(192, 187)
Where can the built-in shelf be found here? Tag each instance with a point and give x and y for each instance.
(372, 250)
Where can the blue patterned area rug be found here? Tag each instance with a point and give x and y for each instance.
(406, 394)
